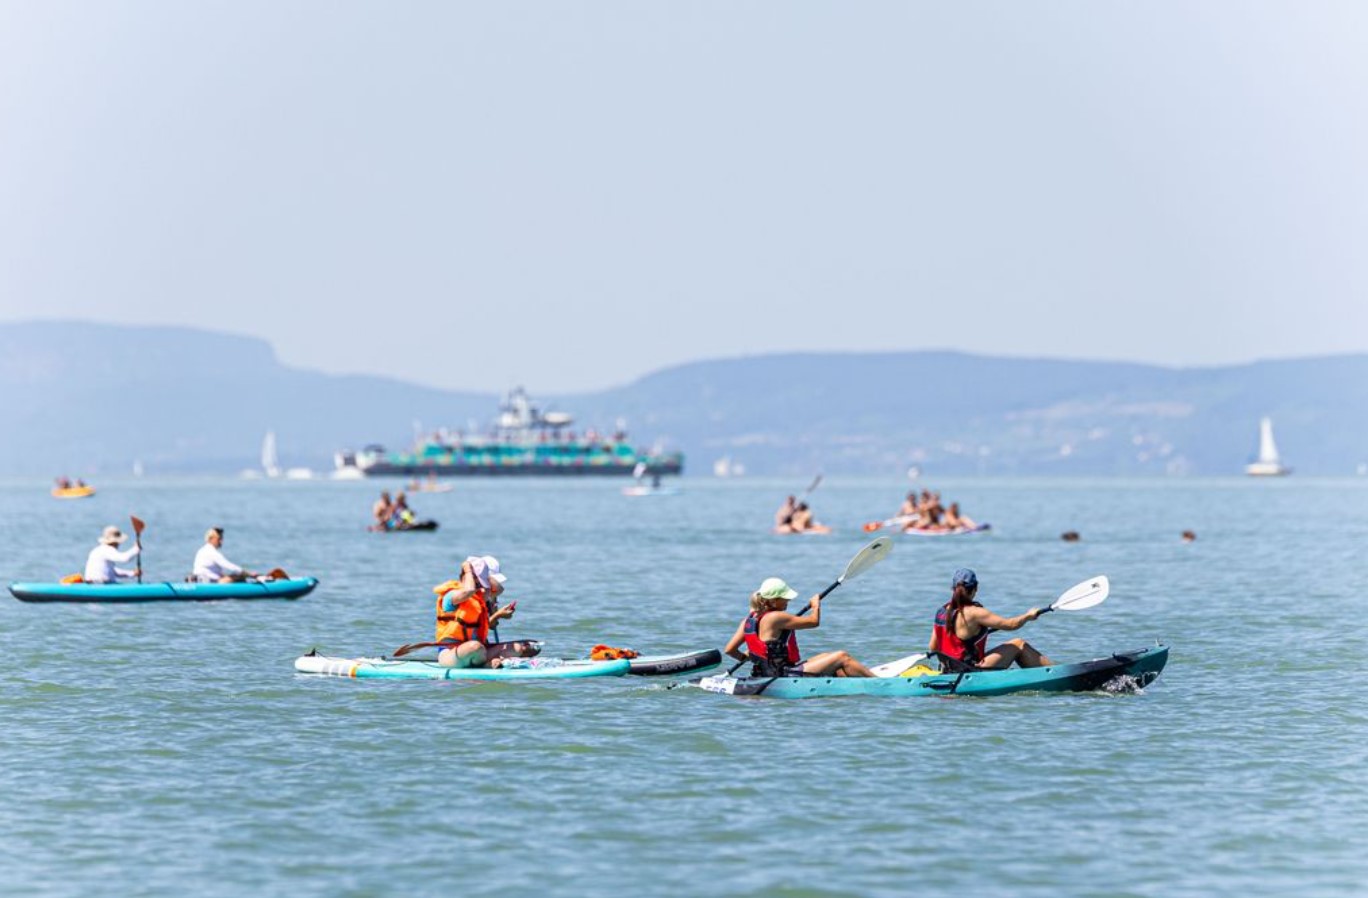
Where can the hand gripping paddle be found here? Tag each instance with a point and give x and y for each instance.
(864, 559)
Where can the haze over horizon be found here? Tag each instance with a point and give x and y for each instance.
(571, 196)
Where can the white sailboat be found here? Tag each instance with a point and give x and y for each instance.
(1268, 464)
(270, 462)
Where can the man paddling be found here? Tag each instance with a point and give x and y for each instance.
(101, 563)
(467, 609)
(212, 566)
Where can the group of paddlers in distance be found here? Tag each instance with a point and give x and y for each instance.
(924, 513)
(394, 514)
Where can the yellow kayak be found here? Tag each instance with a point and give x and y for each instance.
(73, 492)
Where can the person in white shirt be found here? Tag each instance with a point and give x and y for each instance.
(101, 563)
(212, 566)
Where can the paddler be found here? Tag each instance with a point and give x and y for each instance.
(783, 518)
(767, 634)
(212, 566)
(959, 635)
(467, 609)
(101, 563)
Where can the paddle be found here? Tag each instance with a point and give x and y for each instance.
(812, 486)
(864, 559)
(414, 646)
(138, 526)
(894, 521)
(1076, 598)
(1083, 595)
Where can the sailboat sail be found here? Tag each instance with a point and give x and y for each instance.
(1268, 450)
(1269, 463)
(270, 463)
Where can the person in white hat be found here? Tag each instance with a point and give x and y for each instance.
(103, 560)
(467, 610)
(768, 636)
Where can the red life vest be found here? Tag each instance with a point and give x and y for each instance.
(949, 644)
(774, 657)
(469, 620)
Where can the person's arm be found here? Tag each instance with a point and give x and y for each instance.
(733, 647)
(985, 618)
(122, 557)
(224, 564)
(785, 621)
(933, 646)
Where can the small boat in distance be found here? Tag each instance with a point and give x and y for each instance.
(270, 462)
(1268, 464)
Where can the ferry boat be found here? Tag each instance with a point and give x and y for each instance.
(524, 440)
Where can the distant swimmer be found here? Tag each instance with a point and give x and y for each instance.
(102, 560)
(212, 566)
(1070, 536)
(1189, 536)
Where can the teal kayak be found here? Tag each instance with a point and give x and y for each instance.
(292, 588)
(1122, 671)
(522, 669)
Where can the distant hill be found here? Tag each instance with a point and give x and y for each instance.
(88, 399)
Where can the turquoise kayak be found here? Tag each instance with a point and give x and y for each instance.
(522, 669)
(292, 588)
(1122, 671)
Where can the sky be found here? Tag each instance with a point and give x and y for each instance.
(571, 195)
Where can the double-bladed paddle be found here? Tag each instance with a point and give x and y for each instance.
(864, 559)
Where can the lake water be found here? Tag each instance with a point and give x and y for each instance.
(173, 750)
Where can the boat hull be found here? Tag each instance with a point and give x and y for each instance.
(73, 492)
(1141, 666)
(520, 469)
(958, 531)
(108, 593)
(393, 669)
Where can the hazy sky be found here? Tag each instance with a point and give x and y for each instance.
(570, 195)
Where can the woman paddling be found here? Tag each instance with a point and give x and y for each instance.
(960, 632)
(768, 636)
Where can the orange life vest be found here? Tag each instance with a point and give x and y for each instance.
(469, 620)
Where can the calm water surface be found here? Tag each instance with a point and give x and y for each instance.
(172, 750)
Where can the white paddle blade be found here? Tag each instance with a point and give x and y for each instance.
(1084, 595)
(899, 667)
(867, 557)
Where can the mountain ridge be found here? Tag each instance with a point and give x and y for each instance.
(89, 398)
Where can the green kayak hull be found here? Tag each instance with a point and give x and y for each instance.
(1128, 670)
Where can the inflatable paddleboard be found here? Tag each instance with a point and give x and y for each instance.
(513, 669)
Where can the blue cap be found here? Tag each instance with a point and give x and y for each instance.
(966, 577)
